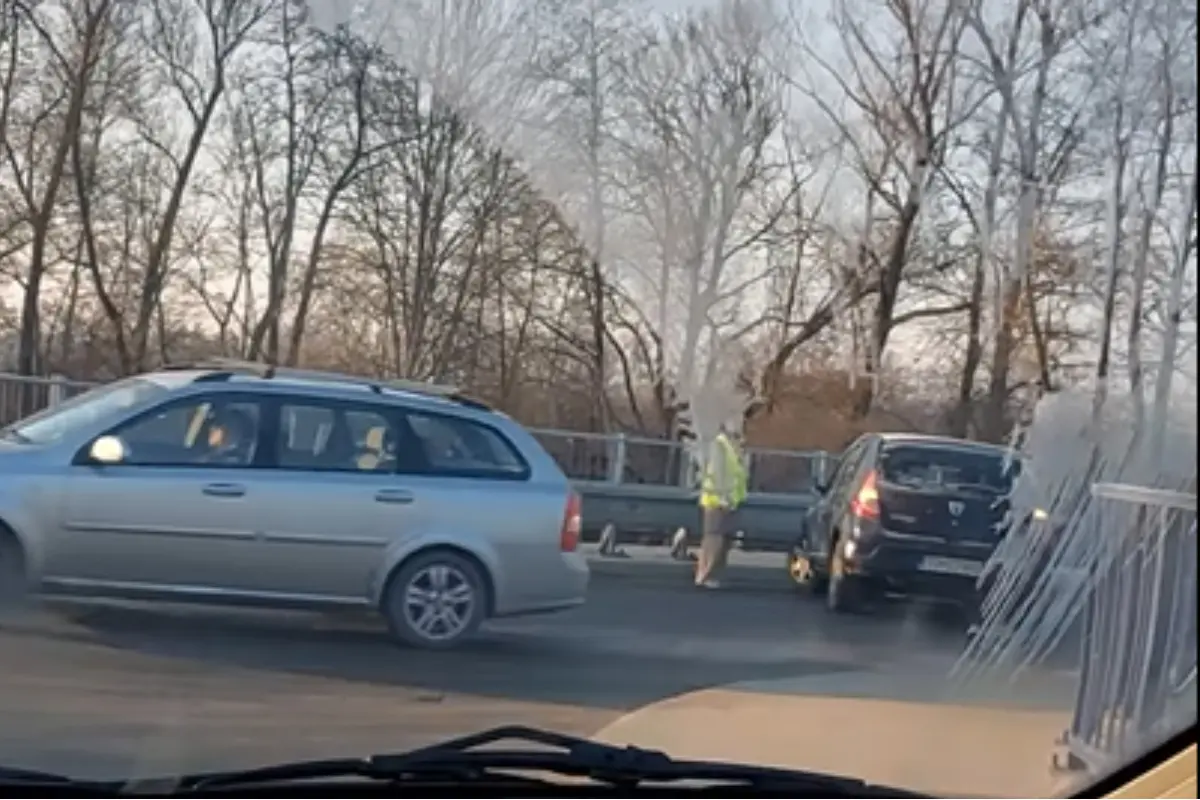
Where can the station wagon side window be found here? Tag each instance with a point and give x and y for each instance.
(334, 436)
(209, 431)
(456, 447)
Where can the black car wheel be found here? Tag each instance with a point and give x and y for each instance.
(804, 573)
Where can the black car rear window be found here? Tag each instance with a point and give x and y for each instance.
(926, 466)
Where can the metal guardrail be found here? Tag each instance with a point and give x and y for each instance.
(1138, 672)
(22, 395)
(622, 459)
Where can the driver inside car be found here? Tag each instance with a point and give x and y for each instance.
(230, 437)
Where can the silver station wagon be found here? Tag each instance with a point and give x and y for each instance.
(245, 484)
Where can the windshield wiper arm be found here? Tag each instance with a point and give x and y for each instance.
(15, 774)
(21, 777)
(461, 760)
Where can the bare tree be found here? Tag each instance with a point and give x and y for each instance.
(821, 276)
(902, 89)
(1126, 119)
(74, 43)
(1172, 31)
(193, 46)
(577, 70)
(353, 67)
(706, 105)
(1023, 83)
(14, 53)
(594, 215)
(113, 90)
(1184, 257)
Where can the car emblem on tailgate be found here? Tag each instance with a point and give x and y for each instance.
(956, 508)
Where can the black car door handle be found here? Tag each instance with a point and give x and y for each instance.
(394, 496)
(224, 490)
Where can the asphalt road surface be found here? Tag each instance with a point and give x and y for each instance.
(119, 689)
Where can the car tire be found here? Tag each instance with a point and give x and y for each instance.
(841, 595)
(803, 572)
(435, 600)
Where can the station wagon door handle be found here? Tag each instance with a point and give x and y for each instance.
(224, 490)
(394, 496)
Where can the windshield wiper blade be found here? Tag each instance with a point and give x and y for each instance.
(15, 774)
(573, 756)
(21, 777)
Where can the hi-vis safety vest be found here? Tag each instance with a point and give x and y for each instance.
(710, 497)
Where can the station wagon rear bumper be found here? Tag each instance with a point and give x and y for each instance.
(558, 589)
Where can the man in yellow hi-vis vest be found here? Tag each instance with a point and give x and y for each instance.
(722, 490)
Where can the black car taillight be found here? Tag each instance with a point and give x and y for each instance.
(865, 504)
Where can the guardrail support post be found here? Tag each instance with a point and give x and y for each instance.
(822, 467)
(57, 391)
(609, 546)
(679, 545)
(688, 476)
(616, 461)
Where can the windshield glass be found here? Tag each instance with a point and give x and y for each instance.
(83, 410)
(707, 259)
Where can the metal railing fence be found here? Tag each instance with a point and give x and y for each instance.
(1138, 672)
(22, 395)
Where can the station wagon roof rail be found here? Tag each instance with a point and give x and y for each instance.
(223, 369)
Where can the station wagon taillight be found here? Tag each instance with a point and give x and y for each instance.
(572, 524)
(865, 504)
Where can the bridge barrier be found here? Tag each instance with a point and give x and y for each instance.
(1138, 677)
(651, 514)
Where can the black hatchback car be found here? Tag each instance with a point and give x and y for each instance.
(906, 515)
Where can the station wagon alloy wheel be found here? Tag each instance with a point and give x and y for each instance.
(435, 601)
(438, 601)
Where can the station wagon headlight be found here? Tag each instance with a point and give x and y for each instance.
(1041, 514)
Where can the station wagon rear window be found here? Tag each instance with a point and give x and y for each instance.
(453, 446)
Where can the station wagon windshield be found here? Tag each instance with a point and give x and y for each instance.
(83, 410)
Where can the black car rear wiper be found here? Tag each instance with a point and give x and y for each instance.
(460, 760)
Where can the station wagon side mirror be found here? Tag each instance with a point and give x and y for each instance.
(107, 450)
